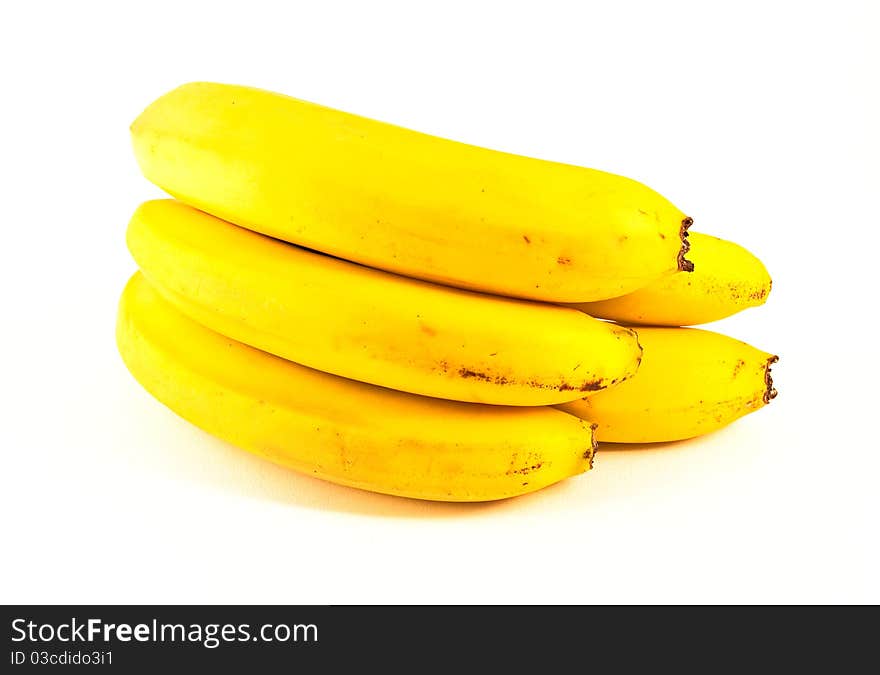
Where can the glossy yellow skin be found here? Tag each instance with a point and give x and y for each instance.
(370, 325)
(337, 429)
(406, 202)
(691, 382)
(727, 279)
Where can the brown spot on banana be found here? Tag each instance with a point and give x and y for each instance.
(467, 373)
(589, 385)
(759, 294)
(524, 470)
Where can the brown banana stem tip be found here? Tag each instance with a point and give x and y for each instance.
(685, 265)
(590, 453)
(771, 392)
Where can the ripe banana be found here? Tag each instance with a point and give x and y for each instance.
(370, 325)
(690, 382)
(727, 279)
(343, 431)
(408, 202)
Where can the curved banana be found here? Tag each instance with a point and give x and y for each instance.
(727, 279)
(408, 202)
(690, 382)
(370, 325)
(343, 431)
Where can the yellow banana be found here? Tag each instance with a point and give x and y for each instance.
(727, 279)
(690, 382)
(408, 202)
(370, 325)
(340, 430)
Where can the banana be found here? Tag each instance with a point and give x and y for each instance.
(691, 382)
(408, 202)
(727, 279)
(340, 430)
(372, 326)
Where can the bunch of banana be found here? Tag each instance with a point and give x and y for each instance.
(410, 315)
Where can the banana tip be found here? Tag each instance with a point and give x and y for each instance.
(685, 265)
(590, 453)
(770, 393)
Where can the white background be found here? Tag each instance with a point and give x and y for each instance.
(757, 118)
